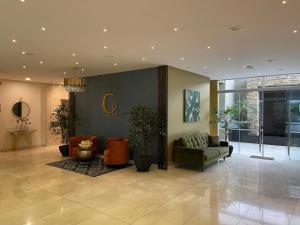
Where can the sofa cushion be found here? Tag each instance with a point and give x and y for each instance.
(223, 150)
(188, 142)
(214, 141)
(184, 142)
(210, 153)
(201, 140)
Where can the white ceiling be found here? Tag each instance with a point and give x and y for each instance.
(76, 26)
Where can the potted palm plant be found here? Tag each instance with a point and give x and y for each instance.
(226, 117)
(144, 125)
(62, 120)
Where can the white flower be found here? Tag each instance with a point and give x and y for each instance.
(86, 144)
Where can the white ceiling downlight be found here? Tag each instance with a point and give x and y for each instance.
(261, 35)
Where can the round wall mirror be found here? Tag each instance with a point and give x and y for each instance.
(21, 109)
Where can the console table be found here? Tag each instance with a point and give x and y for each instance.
(19, 134)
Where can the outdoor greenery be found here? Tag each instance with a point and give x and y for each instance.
(232, 115)
(144, 125)
(62, 120)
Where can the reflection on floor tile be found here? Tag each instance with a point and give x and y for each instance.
(236, 191)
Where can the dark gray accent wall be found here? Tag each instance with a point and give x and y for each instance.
(129, 89)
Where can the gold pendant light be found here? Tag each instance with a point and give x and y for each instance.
(75, 84)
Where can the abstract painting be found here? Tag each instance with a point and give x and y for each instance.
(191, 106)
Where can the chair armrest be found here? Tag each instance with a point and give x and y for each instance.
(224, 143)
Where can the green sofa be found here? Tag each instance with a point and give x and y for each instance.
(199, 150)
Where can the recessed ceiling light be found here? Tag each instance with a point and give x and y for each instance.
(22, 0)
(229, 59)
(104, 29)
(73, 54)
(175, 29)
(284, 2)
(23, 53)
(105, 47)
(115, 64)
(23, 67)
(76, 63)
(27, 78)
(152, 47)
(41, 62)
(13, 40)
(43, 28)
(144, 58)
(65, 73)
(182, 58)
(295, 31)
(208, 47)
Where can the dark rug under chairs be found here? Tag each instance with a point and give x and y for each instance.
(93, 168)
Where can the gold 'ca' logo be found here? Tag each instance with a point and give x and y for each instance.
(113, 105)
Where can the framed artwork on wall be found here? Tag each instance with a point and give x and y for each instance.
(191, 106)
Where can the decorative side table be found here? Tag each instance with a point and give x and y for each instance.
(18, 134)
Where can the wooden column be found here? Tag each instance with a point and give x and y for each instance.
(213, 106)
(72, 103)
(163, 110)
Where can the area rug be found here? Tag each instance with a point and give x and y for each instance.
(93, 168)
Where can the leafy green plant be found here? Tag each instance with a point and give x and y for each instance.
(226, 117)
(144, 125)
(62, 120)
(233, 114)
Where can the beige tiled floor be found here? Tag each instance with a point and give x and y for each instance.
(239, 191)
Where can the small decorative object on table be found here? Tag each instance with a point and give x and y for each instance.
(84, 151)
(23, 124)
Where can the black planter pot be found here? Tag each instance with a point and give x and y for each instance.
(142, 163)
(64, 150)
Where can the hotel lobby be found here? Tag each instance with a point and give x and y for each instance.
(149, 112)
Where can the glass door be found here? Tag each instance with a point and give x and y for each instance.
(249, 123)
(274, 124)
(244, 120)
(294, 124)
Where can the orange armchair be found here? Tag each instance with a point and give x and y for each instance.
(75, 141)
(117, 151)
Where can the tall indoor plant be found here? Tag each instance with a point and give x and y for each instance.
(144, 125)
(234, 114)
(226, 117)
(63, 119)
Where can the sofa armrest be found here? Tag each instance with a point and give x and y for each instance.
(224, 143)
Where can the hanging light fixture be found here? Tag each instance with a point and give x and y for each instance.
(75, 84)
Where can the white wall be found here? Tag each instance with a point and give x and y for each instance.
(38, 98)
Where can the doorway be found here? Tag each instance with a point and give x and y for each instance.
(268, 122)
